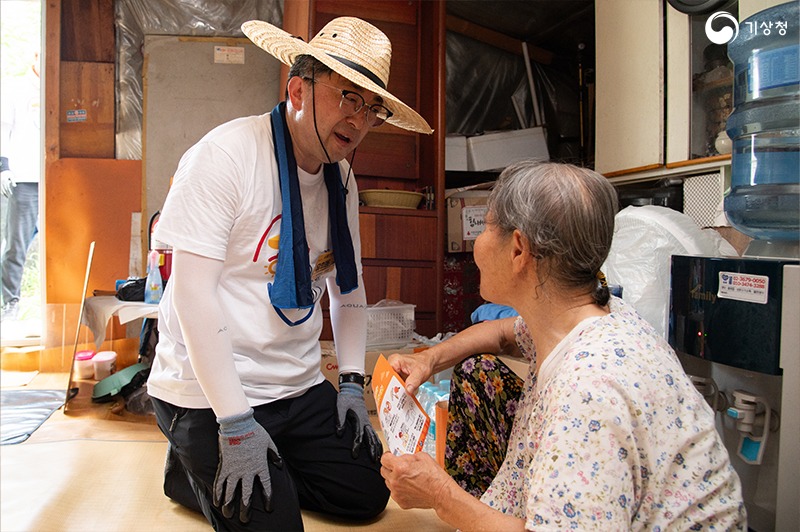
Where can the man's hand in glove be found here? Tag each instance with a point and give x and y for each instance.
(244, 450)
(350, 408)
(7, 183)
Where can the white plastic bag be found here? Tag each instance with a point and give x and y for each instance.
(645, 238)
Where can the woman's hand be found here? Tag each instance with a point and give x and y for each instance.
(415, 480)
(414, 369)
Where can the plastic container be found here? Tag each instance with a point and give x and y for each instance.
(389, 324)
(165, 262)
(105, 364)
(764, 200)
(84, 367)
(426, 394)
(153, 287)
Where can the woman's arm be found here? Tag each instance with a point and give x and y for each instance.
(416, 481)
(496, 336)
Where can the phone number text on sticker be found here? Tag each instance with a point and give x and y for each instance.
(743, 287)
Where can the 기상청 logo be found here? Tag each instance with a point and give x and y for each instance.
(726, 33)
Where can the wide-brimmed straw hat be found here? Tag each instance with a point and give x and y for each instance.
(350, 47)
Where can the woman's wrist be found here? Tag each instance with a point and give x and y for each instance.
(433, 356)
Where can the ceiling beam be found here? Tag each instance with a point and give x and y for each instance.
(496, 39)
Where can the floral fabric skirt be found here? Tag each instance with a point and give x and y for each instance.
(483, 401)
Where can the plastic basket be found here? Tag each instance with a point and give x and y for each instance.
(390, 325)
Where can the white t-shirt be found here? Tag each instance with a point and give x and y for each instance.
(614, 436)
(225, 204)
(20, 139)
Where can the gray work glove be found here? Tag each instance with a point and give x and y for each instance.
(245, 448)
(7, 183)
(350, 408)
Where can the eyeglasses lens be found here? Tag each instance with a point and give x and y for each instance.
(352, 103)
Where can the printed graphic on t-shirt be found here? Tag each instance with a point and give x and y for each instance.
(269, 246)
(267, 252)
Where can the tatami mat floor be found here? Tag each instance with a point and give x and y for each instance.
(98, 467)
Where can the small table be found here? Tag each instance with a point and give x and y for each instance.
(98, 310)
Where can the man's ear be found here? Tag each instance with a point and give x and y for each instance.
(295, 88)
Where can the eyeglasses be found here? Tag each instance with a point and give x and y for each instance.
(352, 103)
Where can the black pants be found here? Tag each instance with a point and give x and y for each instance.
(318, 474)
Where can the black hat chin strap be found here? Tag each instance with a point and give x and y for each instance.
(319, 137)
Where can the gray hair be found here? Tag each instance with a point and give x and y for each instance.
(307, 67)
(566, 213)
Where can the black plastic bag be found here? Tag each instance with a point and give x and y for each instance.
(132, 289)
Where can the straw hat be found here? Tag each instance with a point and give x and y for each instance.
(350, 47)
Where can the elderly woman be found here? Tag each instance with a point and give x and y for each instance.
(606, 431)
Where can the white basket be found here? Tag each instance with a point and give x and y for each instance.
(390, 325)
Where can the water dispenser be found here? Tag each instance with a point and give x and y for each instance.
(735, 321)
(764, 199)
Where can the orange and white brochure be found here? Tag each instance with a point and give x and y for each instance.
(403, 420)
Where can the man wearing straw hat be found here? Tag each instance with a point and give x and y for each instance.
(263, 219)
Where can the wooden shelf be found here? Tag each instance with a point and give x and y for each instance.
(396, 212)
(703, 87)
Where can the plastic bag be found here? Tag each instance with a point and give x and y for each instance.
(645, 238)
(132, 290)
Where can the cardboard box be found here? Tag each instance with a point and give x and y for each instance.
(330, 369)
(455, 153)
(466, 218)
(496, 150)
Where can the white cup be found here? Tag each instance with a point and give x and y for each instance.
(105, 363)
(83, 364)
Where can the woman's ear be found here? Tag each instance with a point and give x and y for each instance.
(520, 251)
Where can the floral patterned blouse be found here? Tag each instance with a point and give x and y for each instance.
(614, 435)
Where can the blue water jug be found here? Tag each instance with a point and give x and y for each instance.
(764, 200)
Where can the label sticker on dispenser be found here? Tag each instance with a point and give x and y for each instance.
(743, 287)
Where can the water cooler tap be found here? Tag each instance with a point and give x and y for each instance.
(710, 391)
(754, 418)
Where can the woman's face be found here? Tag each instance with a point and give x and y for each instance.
(493, 257)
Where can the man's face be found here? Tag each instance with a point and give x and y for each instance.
(340, 134)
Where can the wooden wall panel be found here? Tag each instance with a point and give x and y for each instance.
(87, 31)
(409, 284)
(389, 153)
(86, 115)
(88, 200)
(403, 237)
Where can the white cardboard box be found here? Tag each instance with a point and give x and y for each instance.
(497, 149)
(466, 218)
(455, 153)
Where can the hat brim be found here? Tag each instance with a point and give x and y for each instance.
(285, 48)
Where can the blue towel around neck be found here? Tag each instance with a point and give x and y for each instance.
(292, 286)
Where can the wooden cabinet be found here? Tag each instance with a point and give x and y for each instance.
(398, 247)
(649, 118)
(402, 249)
(630, 85)
(398, 250)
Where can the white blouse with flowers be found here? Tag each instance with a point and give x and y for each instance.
(612, 434)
